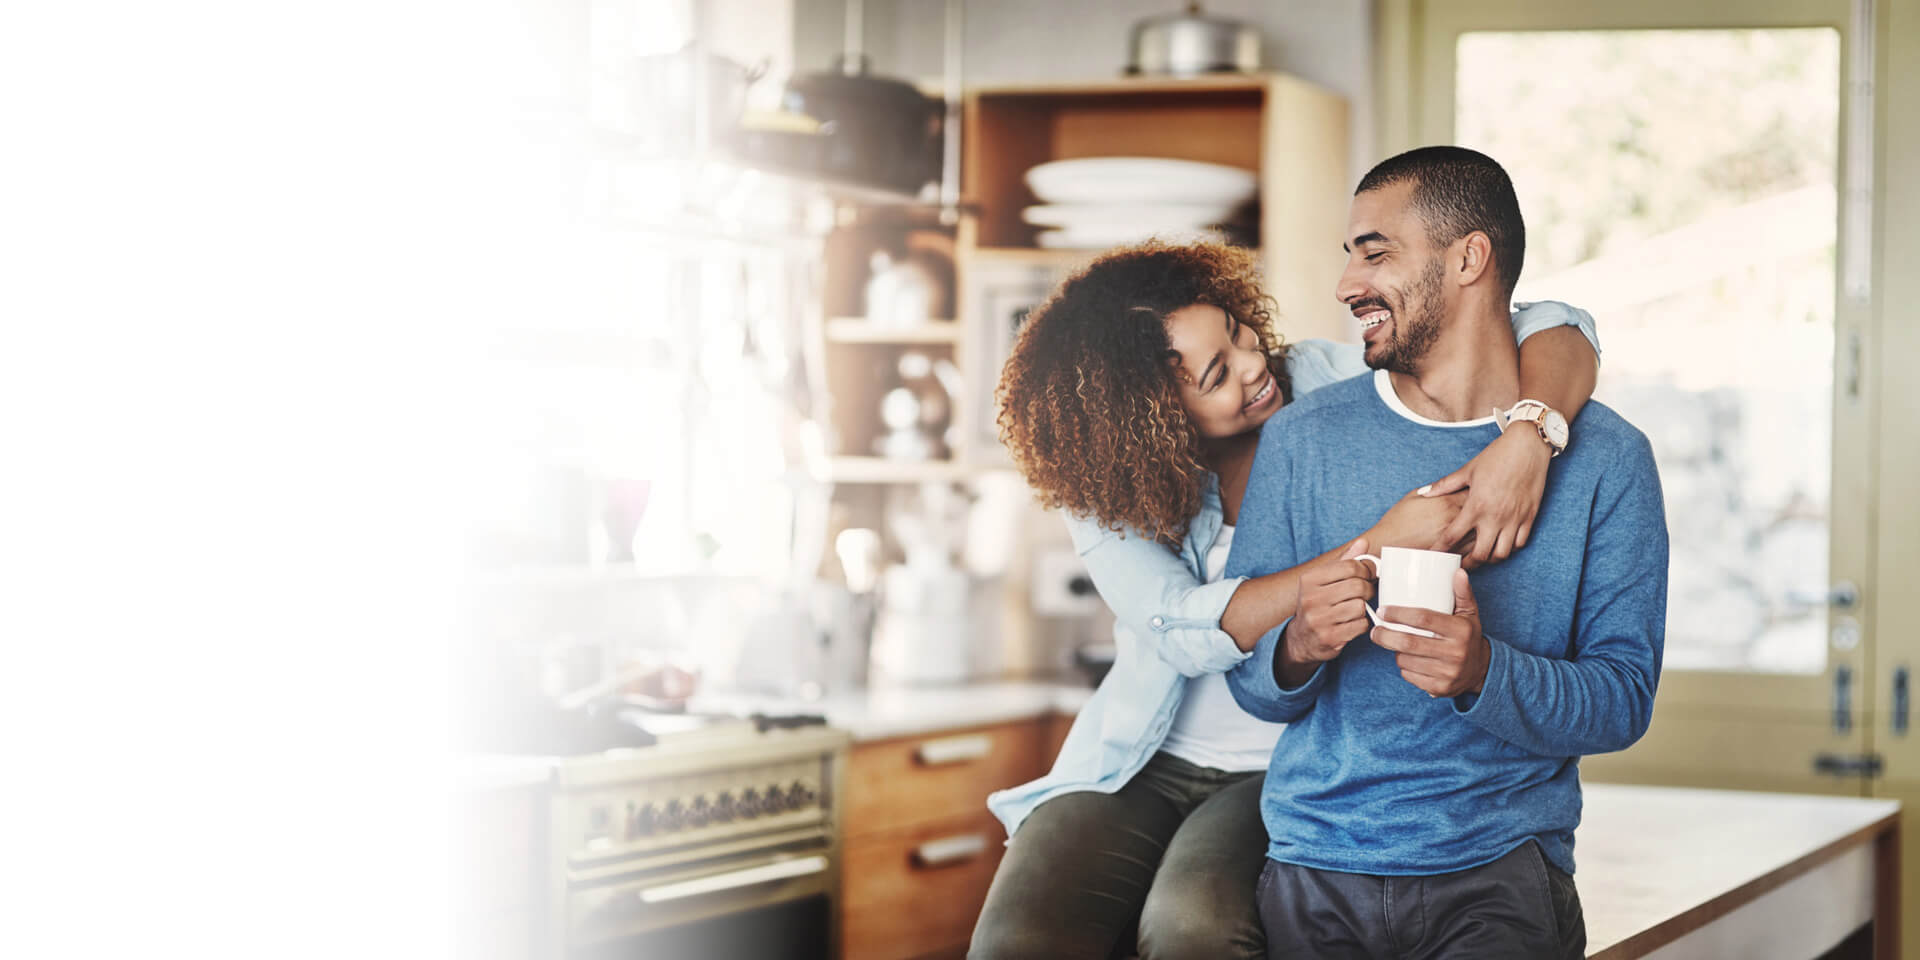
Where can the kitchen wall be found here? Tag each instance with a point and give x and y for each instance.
(1328, 42)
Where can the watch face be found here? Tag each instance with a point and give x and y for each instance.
(1556, 427)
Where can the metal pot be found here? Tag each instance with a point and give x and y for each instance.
(876, 130)
(1191, 43)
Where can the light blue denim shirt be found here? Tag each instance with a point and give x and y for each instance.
(1167, 619)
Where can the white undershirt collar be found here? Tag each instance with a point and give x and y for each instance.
(1383, 383)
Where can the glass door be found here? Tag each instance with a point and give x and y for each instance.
(1682, 168)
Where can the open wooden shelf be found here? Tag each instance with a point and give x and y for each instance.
(1291, 134)
(882, 470)
(858, 330)
(1013, 130)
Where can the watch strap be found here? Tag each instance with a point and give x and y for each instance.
(1533, 412)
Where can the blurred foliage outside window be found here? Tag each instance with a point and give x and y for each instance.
(1681, 185)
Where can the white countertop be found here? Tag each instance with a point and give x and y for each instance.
(882, 714)
(871, 714)
(1656, 863)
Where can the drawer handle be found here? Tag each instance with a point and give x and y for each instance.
(947, 850)
(751, 876)
(934, 753)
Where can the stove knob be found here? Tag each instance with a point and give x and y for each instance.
(749, 805)
(776, 801)
(799, 795)
(673, 816)
(644, 821)
(724, 807)
(700, 813)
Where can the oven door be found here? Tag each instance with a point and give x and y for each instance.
(774, 903)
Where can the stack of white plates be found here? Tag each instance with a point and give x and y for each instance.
(1106, 201)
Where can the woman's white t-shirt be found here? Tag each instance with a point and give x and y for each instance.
(1211, 730)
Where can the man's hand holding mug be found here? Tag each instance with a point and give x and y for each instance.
(1429, 619)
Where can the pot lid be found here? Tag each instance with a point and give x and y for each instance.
(1193, 14)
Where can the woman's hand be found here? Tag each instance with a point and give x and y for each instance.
(1504, 484)
(1417, 521)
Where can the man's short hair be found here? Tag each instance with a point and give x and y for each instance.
(1457, 191)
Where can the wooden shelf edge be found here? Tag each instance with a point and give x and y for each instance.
(1037, 255)
(1204, 83)
(1049, 257)
(848, 469)
(880, 470)
(858, 330)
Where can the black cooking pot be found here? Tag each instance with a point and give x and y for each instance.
(875, 130)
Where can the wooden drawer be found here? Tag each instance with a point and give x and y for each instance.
(896, 783)
(916, 891)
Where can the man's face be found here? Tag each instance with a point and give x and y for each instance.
(1393, 280)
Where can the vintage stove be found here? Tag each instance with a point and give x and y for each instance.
(722, 840)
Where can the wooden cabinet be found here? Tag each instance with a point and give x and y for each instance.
(1289, 132)
(896, 782)
(919, 846)
(915, 891)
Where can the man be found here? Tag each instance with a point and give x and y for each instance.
(1422, 803)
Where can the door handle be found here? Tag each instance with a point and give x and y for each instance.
(1842, 699)
(1900, 700)
(734, 880)
(1843, 596)
(1849, 764)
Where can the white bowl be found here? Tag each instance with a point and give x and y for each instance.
(1103, 239)
(1141, 180)
(1173, 216)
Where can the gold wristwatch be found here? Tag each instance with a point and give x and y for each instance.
(1552, 426)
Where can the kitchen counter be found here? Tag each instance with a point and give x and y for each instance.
(886, 713)
(1677, 874)
(1667, 873)
(873, 714)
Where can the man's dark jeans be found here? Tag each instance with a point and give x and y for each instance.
(1519, 906)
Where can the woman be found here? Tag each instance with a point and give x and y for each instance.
(1133, 401)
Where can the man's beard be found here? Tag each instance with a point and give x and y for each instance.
(1416, 322)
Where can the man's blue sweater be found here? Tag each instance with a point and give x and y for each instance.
(1374, 776)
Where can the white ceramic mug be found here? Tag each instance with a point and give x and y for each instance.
(1413, 578)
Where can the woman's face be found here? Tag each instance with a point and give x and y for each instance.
(1221, 371)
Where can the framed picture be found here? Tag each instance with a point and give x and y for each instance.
(1001, 294)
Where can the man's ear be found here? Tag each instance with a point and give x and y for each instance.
(1474, 259)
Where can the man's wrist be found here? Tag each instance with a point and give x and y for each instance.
(1486, 665)
(1290, 669)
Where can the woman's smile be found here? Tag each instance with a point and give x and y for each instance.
(1268, 392)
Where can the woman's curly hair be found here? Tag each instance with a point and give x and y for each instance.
(1089, 405)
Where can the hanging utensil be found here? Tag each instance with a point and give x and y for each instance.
(875, 130)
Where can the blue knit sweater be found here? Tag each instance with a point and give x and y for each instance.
(1372, 775)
